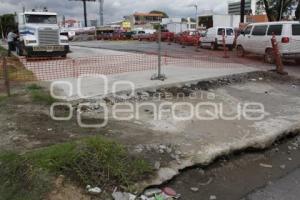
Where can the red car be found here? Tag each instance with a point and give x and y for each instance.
(189, 38)
(165, 36)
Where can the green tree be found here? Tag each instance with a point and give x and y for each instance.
(165, 15)
(275, 8)
(7, 21)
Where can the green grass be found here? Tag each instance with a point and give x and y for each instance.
(94, 161)
(33, 87)
(3, 51)
(16, 70)
(3, 98)
(39, 95)
(20, 181)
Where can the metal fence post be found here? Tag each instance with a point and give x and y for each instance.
(159, 51)
(6, 76)
(159, 75)
(224, 45)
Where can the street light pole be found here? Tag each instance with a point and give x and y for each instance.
(101, 12)
(196, 14)
(84, 13)
(242, 11)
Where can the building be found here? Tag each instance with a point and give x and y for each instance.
(71, 23)
(144, 20)
(213, 20)
(177, 25)
(252, 7)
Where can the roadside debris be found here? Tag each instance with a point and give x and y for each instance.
(265, 165)
(166, 193)
(212, 197)
(282, 166)
(93, 190)
(123, 196)
(194, 189)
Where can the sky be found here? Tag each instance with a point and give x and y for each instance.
(116, 9)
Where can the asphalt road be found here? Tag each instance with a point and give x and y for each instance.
(287, 188)
(176, 50)
(273, 174)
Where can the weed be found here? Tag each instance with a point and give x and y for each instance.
(3, 98)
(3, 51)
(20, 181)
(94, 161)
(39, 95)
(33, 87)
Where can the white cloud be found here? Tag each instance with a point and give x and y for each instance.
(115, 10)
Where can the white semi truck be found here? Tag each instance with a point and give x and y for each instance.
(40, 35)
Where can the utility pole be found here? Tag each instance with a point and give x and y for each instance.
(84, 13)
(196, 14)
(242, 11)
(84, 10)
(101, 2)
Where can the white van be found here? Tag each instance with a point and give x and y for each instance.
(256, 38)
(213, 37)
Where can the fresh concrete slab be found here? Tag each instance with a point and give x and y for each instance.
(200, 141)
(93, 86)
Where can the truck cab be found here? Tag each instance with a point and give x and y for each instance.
(40, 35)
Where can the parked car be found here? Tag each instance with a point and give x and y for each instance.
(190, 38)
(213, 37)
(128, 35)
(138, 35)
(167, 36)
(256, 38)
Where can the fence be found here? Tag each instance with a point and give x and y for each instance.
(132, 57)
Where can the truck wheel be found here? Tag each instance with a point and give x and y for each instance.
(240, 51)
(213, 46)
(269, 56)
(230, 47)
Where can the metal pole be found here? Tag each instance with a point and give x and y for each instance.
(159, 75)
(84, 13)
(101, 12)
(159, 51)
(196, 20)
(242, 11)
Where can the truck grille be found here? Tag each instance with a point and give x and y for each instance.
(48, 37)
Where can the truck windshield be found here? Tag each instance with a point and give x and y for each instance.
(41, 19)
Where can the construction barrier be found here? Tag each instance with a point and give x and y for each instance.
(277, 56)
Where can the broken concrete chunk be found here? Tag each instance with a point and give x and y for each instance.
(212, 197)
(157, 165)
